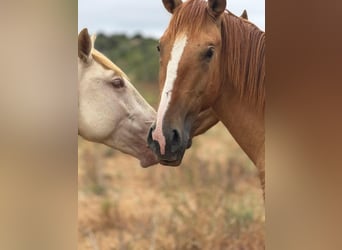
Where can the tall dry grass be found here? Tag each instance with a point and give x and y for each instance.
(212, 201)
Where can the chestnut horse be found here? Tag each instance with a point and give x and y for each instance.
(210, 58)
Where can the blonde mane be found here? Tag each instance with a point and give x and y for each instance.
(106, 63)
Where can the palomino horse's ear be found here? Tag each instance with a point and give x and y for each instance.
(244, 15)
(216, 7)
(93, 38)
(171, 5)
(84, 45)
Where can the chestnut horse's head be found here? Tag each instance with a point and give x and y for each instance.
(189, 69)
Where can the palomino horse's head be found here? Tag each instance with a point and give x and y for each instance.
(110, 109)
(189, 58)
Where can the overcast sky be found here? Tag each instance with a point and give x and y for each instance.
(147, 17)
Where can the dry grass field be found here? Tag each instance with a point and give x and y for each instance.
(212, 201)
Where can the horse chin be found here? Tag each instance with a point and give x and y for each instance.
(146, 164)
(174, 163)
(149, 159)
(173, 160)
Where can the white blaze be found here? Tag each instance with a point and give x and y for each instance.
(171, 75)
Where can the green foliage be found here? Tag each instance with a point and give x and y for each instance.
(136, 56)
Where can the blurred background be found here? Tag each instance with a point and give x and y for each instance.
(148, 18)
(122, 206)
(212, 201)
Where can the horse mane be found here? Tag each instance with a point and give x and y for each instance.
(106, 63)
(190, 16)
(243, 45)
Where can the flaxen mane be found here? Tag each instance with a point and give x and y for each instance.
(106, 63)
(243, 47)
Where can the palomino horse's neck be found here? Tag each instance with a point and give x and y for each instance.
(241, 105)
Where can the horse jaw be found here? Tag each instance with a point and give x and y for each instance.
(132, 132)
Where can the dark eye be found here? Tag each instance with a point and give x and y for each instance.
(118, 82)
(158, 48)
(210, 52)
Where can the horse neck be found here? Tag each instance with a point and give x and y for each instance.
(243, 63)
(236, 106)
(244, 121)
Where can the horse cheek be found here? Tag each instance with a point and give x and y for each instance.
(212, 92)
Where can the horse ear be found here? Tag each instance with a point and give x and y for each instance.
(93, 38)
(171, 5)
(85, 45)
(244, 15)
(217, 7)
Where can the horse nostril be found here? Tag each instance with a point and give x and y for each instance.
(149, 137)
(175, 136)
(175, 141)
(189, 143)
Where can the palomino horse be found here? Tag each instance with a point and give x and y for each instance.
(110, 109)
(210, 58)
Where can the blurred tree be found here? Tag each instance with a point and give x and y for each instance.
(136, 55)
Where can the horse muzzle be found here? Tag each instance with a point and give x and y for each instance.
(170, 152)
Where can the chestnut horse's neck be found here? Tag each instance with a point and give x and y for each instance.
(240, 105)
(245, 123)
(243, 58)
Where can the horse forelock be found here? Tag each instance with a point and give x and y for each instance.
(189, 18)
(106, 63)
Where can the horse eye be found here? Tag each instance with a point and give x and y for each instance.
(118, 82)
(158, 48)
(210, 52)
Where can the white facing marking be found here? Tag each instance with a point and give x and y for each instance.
(171, 75)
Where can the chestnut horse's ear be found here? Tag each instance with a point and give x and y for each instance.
(244, 15)
(171, 5)
(216, 7)
(85, 45)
